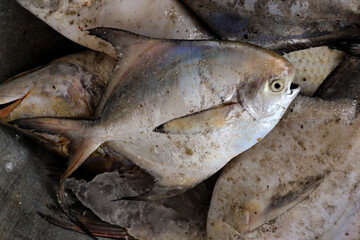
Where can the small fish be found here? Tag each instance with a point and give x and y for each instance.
(156, 82)
(300, 182)
(283, 26)
(159, 18)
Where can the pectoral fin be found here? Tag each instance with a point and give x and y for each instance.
(201, 122)
(297, 192)
(256, 212)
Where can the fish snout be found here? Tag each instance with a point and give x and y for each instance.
(11, 95)
(293, 90)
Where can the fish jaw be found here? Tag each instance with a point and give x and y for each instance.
(67, 87)
(268, 102)
(5, 111)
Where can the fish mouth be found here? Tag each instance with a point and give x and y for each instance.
(294, 89)
(7, 108)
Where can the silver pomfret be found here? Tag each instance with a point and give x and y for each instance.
(280, 25)
(156, 82)
(312, 154)
(153, 18)
(68, 87)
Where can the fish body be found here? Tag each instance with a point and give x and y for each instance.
(160, 18)
(157, 82)
(280, 25)
(301, 181)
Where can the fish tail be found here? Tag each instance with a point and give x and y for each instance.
(69, 213)
(81, 148)
(95, 225)
(82, 144)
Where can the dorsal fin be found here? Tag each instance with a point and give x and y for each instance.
(122, 40)
(127, 46)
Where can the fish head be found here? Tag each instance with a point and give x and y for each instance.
(272, 89)
(68, 87)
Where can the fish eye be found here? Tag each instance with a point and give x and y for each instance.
(277, 85)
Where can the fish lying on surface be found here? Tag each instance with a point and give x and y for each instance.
(159, 18)
(215, 85)
(56, 91)
(313, 153)
(280, 25)
(180, 217)
(68, 87)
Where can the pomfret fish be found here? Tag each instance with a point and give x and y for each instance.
(159, 18)
(158, 85)
(280, 25)
(312, 153)
(68, 87)
(182, 217)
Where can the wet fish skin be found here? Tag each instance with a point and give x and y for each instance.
(151, 77)
(316, 139)
(68, 87)
(280, 25)
(160, 18)
(182, 217)
(346, 77)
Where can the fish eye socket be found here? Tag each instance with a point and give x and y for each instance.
(276, 85)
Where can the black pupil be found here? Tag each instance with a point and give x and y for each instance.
(277, 85)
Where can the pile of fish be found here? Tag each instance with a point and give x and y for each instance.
(174, 91)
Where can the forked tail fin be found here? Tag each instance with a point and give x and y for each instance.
(81, 148)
